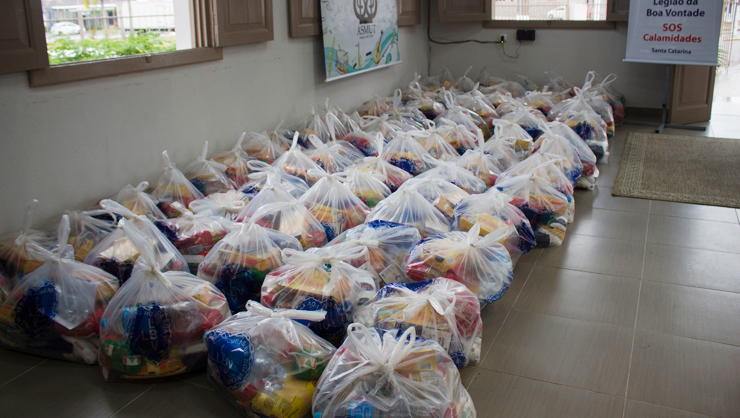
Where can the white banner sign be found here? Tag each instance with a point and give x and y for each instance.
(684, 32)
(359, 36)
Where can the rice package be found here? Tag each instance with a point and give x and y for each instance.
(138, 201)
(56, 310)
(293, 219)
(369, 187)
(15, 258)
(265, 363)
(154, 325)
(321, 279)
(296, 163)
(384, 373)
(411, 208)
(440, 309)
(456, 175)
(406, 153)
(226, 205)
(173, 186)
(392, 176)
(238, 264)
(263, 173)
(235, 160)
(588, 160)
(262, 147)
(87, 229)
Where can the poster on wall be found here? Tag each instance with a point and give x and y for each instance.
(683, 32)
(359, 36)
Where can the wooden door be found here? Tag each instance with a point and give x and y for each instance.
(22, 41)
(238, 22)
(409, 12)
(305, 18)
(691, 94)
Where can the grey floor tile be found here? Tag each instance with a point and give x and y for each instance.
(198, 378)
(685, 210)
(530, 257)
(692, 267)
(694, 233)
(596, 255)
(13, 364)
(691, 312)
(581, 354)
(172, 398)
(687, 374)
(498, 395)
(601, 198)
(610, 224)
(581, 295)
(493, 318)
(723, 132)
(725, 122)
(59, 389)
(467, 375)
(608, 172)
(521, 272)
(645, 410)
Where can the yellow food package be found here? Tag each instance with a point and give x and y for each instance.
(292, 401)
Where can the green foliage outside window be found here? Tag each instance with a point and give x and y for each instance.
(66, 50)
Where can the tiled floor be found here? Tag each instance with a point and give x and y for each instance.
(637, 315)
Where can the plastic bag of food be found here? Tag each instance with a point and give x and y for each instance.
(456, 175)
(425, 102)
(271, 192)
(235, 161)
(440, 309)
(55, 311)
(511, 87)
(194, 234)
(208, 176)
(381, 124)
(458, 136)
(5, 286)
(293, 219)
(15, 258)
(265, 363)
(263, 173)
(406, 153)
(154, 325)
(139, 202)
(503, 150)
(363, 141)
(238, 264)
(436, 145)
(481, 164)
(540, 100)
(226, 205)
(296, 163)
(173, 186)
(330, 157)
(607, 92)
(591, 128)
(375, 107)
(588, 159)
(439, 192)
(411, 208)
(550, 143)
(544, 206)
(312, 124)
(528, 84)
(528, 118)
(392, 176)
(388, 244)
(321, 279)
(464, 84)
(117, 252)
(504, 128)
(262, 147)
(547, 166)
(462, 116)
(408, 116)
(87, 229)
(493, 211)
(485, 79)
(445, 78)
(558, 85)
(482, 107)
(337, 122)
(334, 205)
(379, 373)
(369, 187)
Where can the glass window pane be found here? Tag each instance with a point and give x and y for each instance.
(584, 10)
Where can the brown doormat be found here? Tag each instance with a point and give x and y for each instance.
(688, 169)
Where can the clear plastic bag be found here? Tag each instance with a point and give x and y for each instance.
(528, 84)
(332, 157)
(406, 153)
(271, 192)
(154, 325)
(544, 206)
(408, 117)
(462, 116)
(321, 279)
(411, 208)
(550, 143)
(438, 191)
(458, 136)
(361, 140)
(15, 258)
(296, 163)
(239, 263)
(292, 218)
(381, 124)
(547, 166)
(445, 78)
(117, 252)
(493, 211)
(558, 85)
(440, 309)
(235, 161)
(263, 148)
(55, 311)
(263, 173)
(482, 107)
(482, 165)
(456, 175)
(87, 229)
(5, 286)
(392, 176)
(369, 187)
(588, 159)
(173, 186)
(265, 363)
(436, 145)
(425, 102)
(208, 176)
(379, 373)
(375, 107)
(590, 127)
(485, 79)
(312, 124)
(139, 202)
(503, 149)
(504, 128)
(226, 205)
(388, 244)
(512, 87)
(334, 205)
(540, 100)
(464, 83)
(607, 92)
(528, 118)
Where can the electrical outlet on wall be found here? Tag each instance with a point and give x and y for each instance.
(503, 38)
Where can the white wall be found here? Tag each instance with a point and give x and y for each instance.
(572, 53)
(72, 144)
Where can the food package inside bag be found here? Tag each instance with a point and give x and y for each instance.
(445, 78)
(590, 127)
(262, 147)
(154, 325)
(588, 159)
(173, 186)
(482, 165)
(15, 258)
(545, 207)
(502, 149)
(540, 100)
(550, 143)
(194, 234)
(296, 163)
(321, 279)
(546, 166)
(462, 116)
(498, 99)
(312, 124)
(526, 117)
(493, 211)
(138, 201)
(337, 122)
(381, 124)
(5, 286)
(265, 363)
(271, 192)
(238, 264)
(485, 79)
(208, 176)
(482, 107)
(406, 153)
(614, 98)
(409, 207)
(235, 160)
(464, 84)
(438, 191)
(361, 140)
(375, 107)
(435, 144)
(456, 175)
(226, 205)
(117, 253)
(528, 84)
(392, 176)
(425, 102)
(440, 309)
(409, 117)
(55, 311)
(367, 186)
(334, 205)
(87, 229)
(482, 264)
(388, 244)
(515, 89)
(504, 128)
(558, 85)
(331, 157)
(594, 98)
(293, 219)
(458, 136)
(263, 173)
(388, 373)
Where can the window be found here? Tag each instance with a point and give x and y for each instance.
(582, 10)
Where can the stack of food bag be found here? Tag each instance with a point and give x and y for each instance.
(411, 208)
(296, 163)
(235, 161)
(171, 187)
(15, 258)
(87, 229)
(369, 187)
(208, 176)
(439, 192)
(390, 175)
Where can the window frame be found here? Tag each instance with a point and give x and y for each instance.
(610, 23)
